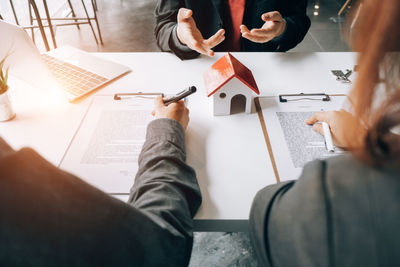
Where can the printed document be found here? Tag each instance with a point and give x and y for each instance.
(105, 150)
(293, 142)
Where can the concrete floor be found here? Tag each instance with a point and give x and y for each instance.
(127, 26)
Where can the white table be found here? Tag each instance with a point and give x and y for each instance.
(228, 153)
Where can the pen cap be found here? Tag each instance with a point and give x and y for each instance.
(192, 89)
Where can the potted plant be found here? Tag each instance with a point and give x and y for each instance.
(6, 110)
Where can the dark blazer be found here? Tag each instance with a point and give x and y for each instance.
(340, 212)
(209, 16)
(51, 218)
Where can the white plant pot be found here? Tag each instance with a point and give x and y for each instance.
(6, 111)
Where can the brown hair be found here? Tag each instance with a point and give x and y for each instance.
(376, 93)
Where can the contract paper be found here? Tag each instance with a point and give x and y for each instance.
(293, 142)
(105, 150)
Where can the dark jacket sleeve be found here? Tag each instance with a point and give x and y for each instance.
(165, 187)
(297, 25)
(165, 31)
(52, 218)
(340, 212)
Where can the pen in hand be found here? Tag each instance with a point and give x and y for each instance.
(175, 98)
(328, 137)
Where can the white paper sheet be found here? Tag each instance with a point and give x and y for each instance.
(293, 142)
(104, 152)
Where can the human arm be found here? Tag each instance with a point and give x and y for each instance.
(176, 31)
(289, 218)
(283, 28)
(165, 187)
(274, 26)
(346, 130)
(52, 218)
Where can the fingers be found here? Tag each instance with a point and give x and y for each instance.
(184, 14)
(272, 28)
(198, 46)
(213, 41)
(158, 101)
(318, 128)
(272, 16)
(256, 38)
(261, 32)
(244, 29)
(205, 46)
(176, 111)
(158, 105)
(216, 39)
(189, 34)
(318, 116)
(257, 35)
(177, 105)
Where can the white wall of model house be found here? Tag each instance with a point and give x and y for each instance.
(223, 97)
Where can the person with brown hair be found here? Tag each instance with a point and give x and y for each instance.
(345, 211)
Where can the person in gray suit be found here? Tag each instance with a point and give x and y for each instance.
(51, 218)
(345, 211)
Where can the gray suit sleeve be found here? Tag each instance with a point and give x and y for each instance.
(165, 31)
(280, 227)
(52, 218)
(165, 187)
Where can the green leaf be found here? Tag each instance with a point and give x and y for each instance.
(4, 78)
(2, 61)
(2, 66)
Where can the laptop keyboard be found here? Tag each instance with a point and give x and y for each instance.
(76, 81)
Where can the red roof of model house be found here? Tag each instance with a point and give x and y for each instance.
(224, 70)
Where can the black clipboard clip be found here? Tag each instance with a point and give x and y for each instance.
(302, 96)
(139, 94)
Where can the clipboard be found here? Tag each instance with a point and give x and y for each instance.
(105, 148)
(290, 142)
(122, 96)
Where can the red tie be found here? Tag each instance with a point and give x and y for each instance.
(236, 8)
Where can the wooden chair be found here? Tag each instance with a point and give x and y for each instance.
(37, 22)
(67, 21)
(40, 25)
(344, 7)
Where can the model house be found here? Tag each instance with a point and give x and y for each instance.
(226, 80)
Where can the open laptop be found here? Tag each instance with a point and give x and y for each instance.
(74, 72)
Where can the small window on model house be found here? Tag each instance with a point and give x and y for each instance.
(222, 95)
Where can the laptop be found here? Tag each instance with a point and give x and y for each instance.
(67, 69)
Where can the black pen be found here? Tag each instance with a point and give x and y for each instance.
(175, 98)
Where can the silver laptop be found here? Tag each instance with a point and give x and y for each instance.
(74, 72)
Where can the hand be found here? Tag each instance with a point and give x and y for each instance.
(189, 34)
(273, 27)
(339, 123)
(176, 111)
